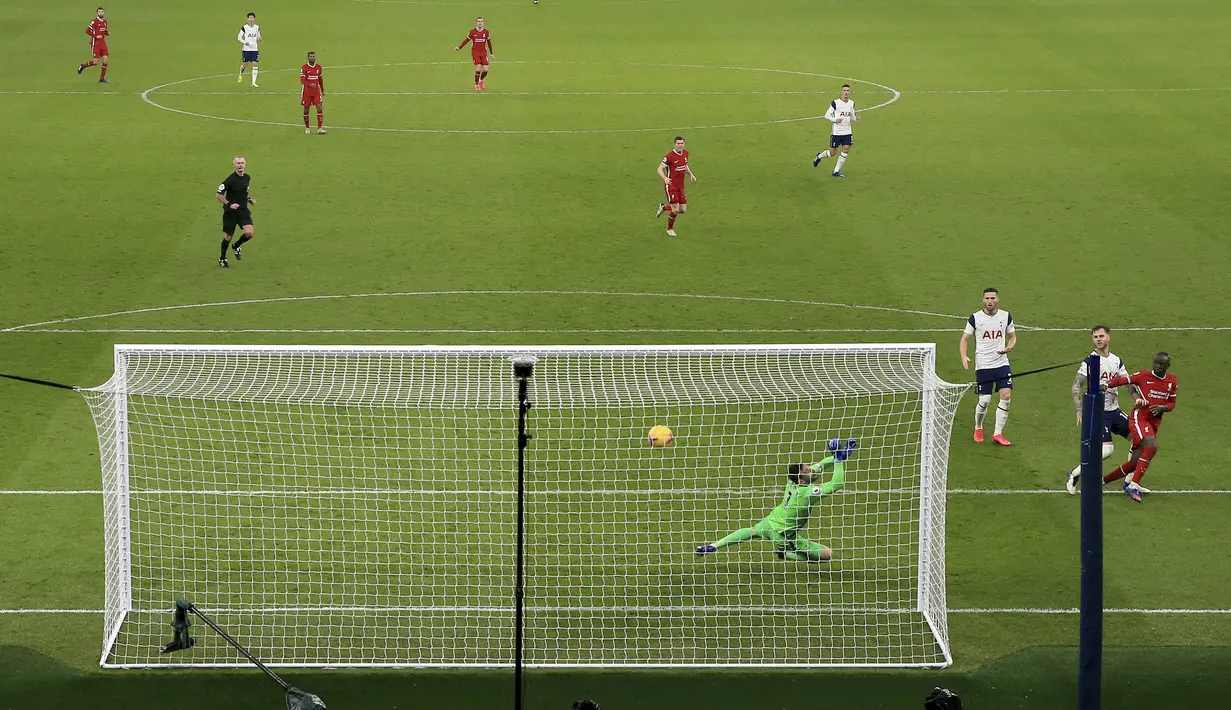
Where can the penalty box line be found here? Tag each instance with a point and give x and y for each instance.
(742, 491)
(1061, 611)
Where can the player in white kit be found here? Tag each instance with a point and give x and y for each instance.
(841, 113)
(250, 38)
(1115, 421)
(995, 337)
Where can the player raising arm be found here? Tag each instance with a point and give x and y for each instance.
(312, 76)
(479, 52)
(996, 338)
(98, 31)
(784, 522)
(1156, 391)
(1115, 421)
(671, 170)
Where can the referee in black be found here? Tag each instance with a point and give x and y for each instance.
(233, 194)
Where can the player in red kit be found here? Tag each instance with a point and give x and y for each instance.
(311, 75)
(97, 31)
(1155, 391)
(479, 52)
(672, 170)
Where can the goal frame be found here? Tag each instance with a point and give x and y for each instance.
(931, 595)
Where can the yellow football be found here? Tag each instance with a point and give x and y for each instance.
(661, 436)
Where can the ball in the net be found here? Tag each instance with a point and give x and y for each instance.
(661, 436)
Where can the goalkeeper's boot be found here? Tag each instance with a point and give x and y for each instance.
(223, 263)
(999, 439)
(978, 436)
(661, 208)
(239, 253)
(1071, 484)
(1132, 491)
(703, 550)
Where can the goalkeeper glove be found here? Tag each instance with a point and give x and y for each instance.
(845, 452)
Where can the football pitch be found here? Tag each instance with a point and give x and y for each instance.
(1068, 152)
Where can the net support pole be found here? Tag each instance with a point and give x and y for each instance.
(523, 370)
(1090, 653)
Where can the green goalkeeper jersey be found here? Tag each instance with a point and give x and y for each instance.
(797, 500)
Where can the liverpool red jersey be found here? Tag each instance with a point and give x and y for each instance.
(1150, 387)
(677, 166)
(481, 39)
(97, 30)
(312, 78)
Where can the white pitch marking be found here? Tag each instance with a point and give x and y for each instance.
(957, 610)
(1064, 91)
(734, 492)
(403, 294)
(145, 96)
(502, 93)
(467, 331)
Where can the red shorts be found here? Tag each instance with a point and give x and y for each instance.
(100, 49)
(675, 194)
(311, 98)
(480, 58)
(1141, 425)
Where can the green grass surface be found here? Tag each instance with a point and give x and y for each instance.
(1100, 203)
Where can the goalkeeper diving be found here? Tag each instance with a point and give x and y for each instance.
(784, 522)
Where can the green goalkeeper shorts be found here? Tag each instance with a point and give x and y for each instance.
(787, 540)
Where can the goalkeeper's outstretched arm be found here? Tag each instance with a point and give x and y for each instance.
(842, 451)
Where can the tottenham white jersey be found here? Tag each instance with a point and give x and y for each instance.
(989, 333)
(249, 34)
(1108, 367)
(842, 113)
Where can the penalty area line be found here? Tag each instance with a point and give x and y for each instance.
(747, 490)
(958, 610)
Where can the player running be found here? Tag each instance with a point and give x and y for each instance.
(997, 338)
(841, 113)
(98, 31)
(233, 194)
(1115, 421)
(672, 170)
(479, 52)
(1155, 394)
(784, 522)
(311, 75)
(250, 38)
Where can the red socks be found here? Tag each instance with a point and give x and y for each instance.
(320, 120)
(477, 78)
(1134, 471)
(305, 119)
(1119, 472)
(89, 64)
(104, 74)
(1143, 463)
(671, 221)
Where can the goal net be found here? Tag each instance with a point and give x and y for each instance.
(356, 506)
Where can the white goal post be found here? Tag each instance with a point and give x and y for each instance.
(356, 506)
